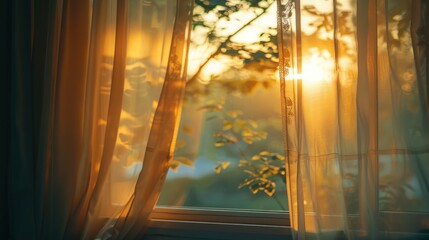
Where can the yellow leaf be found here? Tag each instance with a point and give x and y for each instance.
(270, 188)
(274, 170)
(280, 157)
(270, 192)
(264, 169)
(185, 161)
(221, 166)
(250, 173)
(230, 138)
(225, 165)
(227, 125)
(246, 182)
(218, 168)
(256, 157)
(174, 165)
(219, 144)
(248, 140)
(234, 114)
(253, 123)
(265, 153)
(247, 133)
(243, 163)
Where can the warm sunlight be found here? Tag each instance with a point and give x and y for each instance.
(318, 67)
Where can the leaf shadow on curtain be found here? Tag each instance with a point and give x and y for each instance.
(355, 110)
(96, 89)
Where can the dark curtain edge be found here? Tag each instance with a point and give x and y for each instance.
(5, 42)
(24, 25)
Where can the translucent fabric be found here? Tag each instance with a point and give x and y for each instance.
(109, 79)
(354, 82)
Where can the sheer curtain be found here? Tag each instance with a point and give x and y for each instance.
(95, 92)
(354, 80)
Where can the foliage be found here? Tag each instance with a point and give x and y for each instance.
(264, 168)
(261, 169)
(251, 55)
(235, 129)
(236, 132)
(395, 193)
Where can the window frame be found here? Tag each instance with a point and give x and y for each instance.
(221, 224)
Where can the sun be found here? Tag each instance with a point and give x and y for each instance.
(318, 67)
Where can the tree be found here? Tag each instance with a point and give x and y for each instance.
(262, 53)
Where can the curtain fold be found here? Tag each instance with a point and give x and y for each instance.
(20, 141)
(95, 97)
(355, 113)
(162, 136)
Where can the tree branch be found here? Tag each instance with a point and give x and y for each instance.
(223, 44)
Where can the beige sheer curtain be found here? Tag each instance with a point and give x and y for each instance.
(110, 75)
(354, 80)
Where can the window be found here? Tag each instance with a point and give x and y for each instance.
(230, 139)
(214, 135)
(229, 165)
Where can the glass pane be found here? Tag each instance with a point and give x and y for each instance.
(229, 151)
